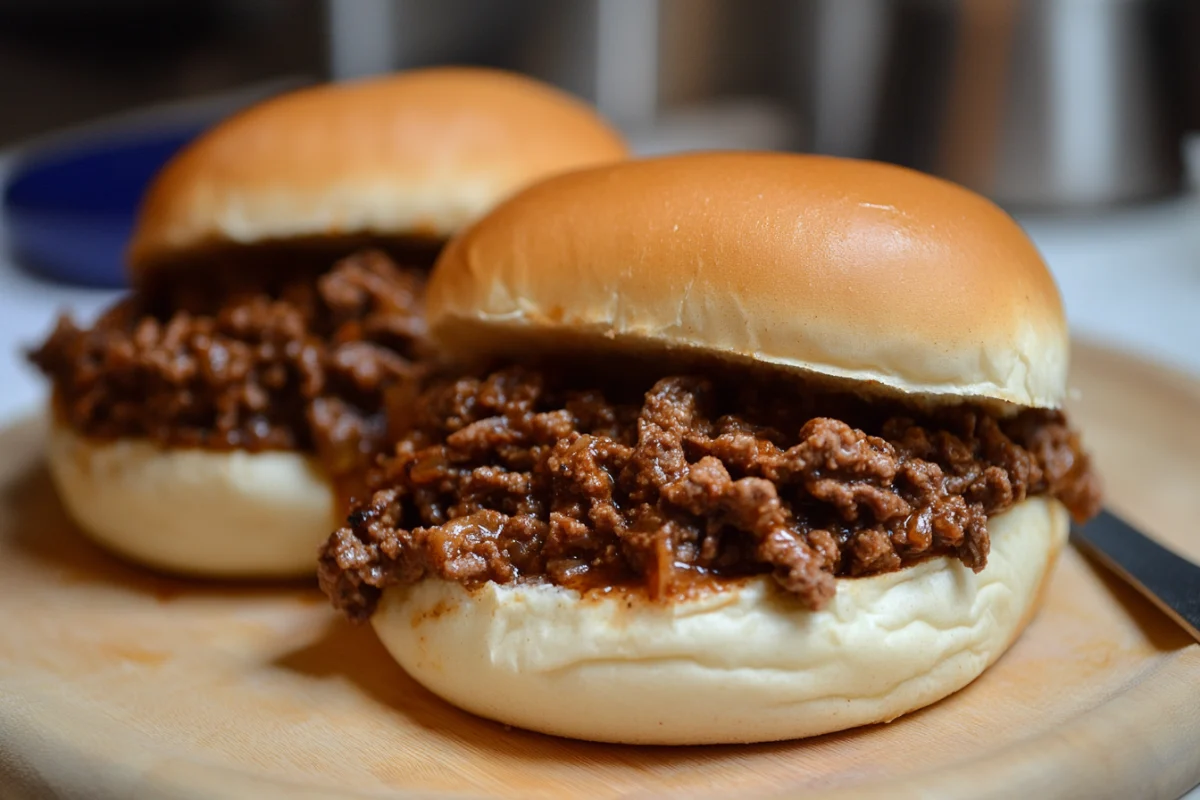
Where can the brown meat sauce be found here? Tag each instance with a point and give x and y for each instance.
(253, 359)
(517, 477)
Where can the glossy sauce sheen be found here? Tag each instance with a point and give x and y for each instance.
(557, 475)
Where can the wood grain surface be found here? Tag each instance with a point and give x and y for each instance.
(118, 683)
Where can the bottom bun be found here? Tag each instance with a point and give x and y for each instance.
(199, 512)
(745, 664)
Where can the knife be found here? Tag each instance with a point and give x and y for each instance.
(1167, 579)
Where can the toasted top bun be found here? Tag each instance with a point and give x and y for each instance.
(874, 273)
(419, 154)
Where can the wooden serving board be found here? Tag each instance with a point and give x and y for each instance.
(117, 683)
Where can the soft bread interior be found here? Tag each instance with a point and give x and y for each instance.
(200, 512)
(747, 664)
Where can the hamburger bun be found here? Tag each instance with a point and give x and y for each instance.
(746, 663)
(417, 155)
(228, 514)
(859, 271)
(413, 156)
(891, 284)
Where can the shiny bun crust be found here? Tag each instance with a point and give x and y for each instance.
(197, 512)
(851, 269)
(742, 665)
(417, 154)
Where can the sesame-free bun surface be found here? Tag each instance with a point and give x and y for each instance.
(417, 154)
(850, 269)
(743, 665)
(208, 513)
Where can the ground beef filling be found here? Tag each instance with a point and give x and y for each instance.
(254, 360)
(514, 478)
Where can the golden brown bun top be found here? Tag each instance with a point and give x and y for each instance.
(417, 154)
(851, 269)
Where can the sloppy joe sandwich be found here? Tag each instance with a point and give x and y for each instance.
(737, 447)
(209, 422)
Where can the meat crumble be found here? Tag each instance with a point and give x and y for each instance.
(252, 359)
(524, 476)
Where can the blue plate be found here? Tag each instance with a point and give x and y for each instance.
(70, 208)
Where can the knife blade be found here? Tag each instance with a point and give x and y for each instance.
(1167, 579)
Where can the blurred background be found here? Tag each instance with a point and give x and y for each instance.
(1076, 115)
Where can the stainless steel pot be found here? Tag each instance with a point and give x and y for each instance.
(1032, 102)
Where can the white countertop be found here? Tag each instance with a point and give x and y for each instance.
(28, 307)
(1131, 278)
